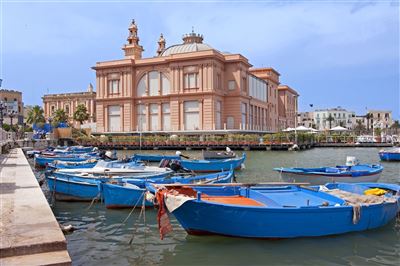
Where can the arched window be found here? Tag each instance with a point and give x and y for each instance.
(141, 88)
(149, 84)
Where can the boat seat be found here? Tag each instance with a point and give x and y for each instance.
(234, 200)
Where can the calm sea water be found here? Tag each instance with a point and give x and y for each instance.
(100, 238)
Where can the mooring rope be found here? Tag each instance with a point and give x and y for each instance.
(129, 215)
(142, 210)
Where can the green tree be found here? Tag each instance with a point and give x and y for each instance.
(395, 126)
(60, 116)
(368, 116)
(359, 128)
(81, 114)
(35, 115)
(330, 119)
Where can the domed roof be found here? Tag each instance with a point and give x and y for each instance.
(186, 48)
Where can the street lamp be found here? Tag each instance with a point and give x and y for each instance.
(2, 108)
(11, 115)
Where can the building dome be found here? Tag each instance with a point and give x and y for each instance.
(192, 42)
(186, 48)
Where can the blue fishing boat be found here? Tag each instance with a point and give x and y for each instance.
(281, 211)
(129, 193)
(390, 154)
(72, 165)
(213, 165)
(43, 160)
(322, 175)
(84, 187)
(154, 157)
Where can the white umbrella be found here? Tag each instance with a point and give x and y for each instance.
(288, 129)
(302, 128)
(338, 128)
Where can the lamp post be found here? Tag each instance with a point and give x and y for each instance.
(11, 115)
(2, 108)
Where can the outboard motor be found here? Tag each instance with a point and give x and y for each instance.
(351, 161)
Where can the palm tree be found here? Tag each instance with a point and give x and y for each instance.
(81, 113)
(395, 126)
(359, 128)
(330, 119)
(35, 115)
(60, 116)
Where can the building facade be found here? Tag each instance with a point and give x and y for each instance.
(14, 107)
(69, 102)
(287, 107)
(306, 119)
(328, 118)
(186, 87)
(379, 119)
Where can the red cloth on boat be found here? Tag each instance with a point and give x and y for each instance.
(164, 225)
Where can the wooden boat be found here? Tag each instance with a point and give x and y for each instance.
(84, 187)
(213, 165)
(42, 160)
(322, 175)
(128, 193)
(218, 155)
(282, 211)
(115, 168)
(90, 163)
(154, 157)
(390, 154)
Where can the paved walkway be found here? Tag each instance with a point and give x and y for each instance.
(29, 232)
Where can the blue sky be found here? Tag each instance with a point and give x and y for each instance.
(334, 53)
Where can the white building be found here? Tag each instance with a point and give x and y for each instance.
(338, 116)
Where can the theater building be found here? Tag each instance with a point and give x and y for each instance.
(185, 87)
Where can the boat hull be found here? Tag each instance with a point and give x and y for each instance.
(199, 217)
(44, 161)
(213, 165)
(68, 189)
(116, 196)
(315, 179)
(154, 157)
(389, 156)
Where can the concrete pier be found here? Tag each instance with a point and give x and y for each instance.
(30, 234)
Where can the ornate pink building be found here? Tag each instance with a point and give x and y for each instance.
(185, 87)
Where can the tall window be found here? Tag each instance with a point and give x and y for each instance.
(191, 115)
(67, 109)
(191, 80)
(154, 83)
(165, 88)
(166, 117)
(141, 88)
(113, 86)
(230, 122)
(218, 115)
(154, 117)
(244, 114)
(231, 85)
(141, 117)
(219, 86)
(114, 118)
(52, 108)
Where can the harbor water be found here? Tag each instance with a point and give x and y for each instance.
(100, 238)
